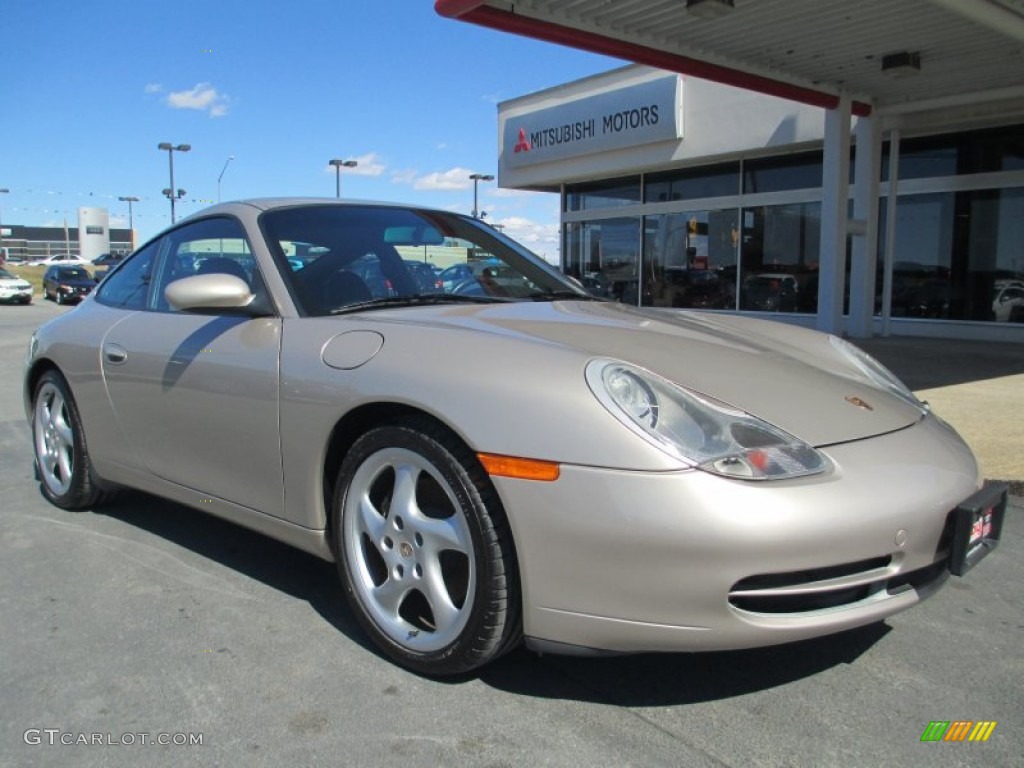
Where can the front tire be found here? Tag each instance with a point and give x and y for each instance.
(424, 550)
(62, 459)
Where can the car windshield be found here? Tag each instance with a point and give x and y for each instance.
(73, 273)
(5, 275)
(339, 258)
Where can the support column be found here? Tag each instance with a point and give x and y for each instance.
(864, 228)
(835, 183)
(890, 227)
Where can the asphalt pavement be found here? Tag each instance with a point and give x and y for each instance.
(149, 621)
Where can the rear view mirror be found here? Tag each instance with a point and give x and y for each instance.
(419, 235)
(214, 291)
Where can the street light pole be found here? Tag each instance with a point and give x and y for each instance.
(131, 222)
(478, 177)
(338, 165)
(230, 158)
(171, 149)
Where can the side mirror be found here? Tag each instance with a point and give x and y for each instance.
(214, 291)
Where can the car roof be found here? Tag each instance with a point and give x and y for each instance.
(271, 203)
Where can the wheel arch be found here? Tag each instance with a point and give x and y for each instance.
(32, 376)
(361, 420)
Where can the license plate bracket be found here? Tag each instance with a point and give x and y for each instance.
(977, 527)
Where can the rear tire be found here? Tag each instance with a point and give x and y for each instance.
(424, 550)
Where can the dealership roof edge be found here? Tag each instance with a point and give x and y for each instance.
(958, 51)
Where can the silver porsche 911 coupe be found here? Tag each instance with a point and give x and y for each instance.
(501, 456)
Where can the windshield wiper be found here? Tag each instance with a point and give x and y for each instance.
(416, 300)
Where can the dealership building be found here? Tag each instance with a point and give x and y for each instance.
(91, 238)
(857, 167)
(678, 192)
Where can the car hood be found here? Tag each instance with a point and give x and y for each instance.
(789, 376)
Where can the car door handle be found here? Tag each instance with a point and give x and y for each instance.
(114, 354)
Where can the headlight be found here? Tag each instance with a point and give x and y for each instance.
(876, 373)
(704, 432)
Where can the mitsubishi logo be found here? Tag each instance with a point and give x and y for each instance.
(522, 145)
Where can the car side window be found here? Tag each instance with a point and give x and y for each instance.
(206, 247)
(128, 287)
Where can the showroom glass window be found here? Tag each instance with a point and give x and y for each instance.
(690, 259)
(128, 286)
(604, 255)
(776, 174)
(692, 183)
(955, 253)
(605, 194)
(779, 253)
(984, 151)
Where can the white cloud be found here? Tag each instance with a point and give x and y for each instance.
(201, 97)
(454, 179)
(152, 88)
(407, 176)
(542, 238)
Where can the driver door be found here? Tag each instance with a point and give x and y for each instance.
(197, 395)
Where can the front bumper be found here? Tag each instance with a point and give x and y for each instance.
(630, 561)
(74, 294)
(16, 295)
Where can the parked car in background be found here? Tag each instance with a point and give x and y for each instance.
(457, 274)
(67, 284)
(108, 259)
(66, 259)
(14, 290)
(425, 276)
(1009, 295)
(515, 460)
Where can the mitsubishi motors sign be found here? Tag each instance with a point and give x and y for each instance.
(643, 113)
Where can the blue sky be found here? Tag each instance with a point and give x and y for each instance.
(89, 89)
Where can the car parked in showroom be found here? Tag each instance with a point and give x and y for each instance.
(14, 290)
(486, 466)
(770, 292)
(67, 284)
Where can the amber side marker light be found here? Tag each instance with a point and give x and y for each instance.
(524, 469)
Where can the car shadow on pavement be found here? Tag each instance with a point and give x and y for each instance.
(278, 565)
(670, 679)
(642, 680)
